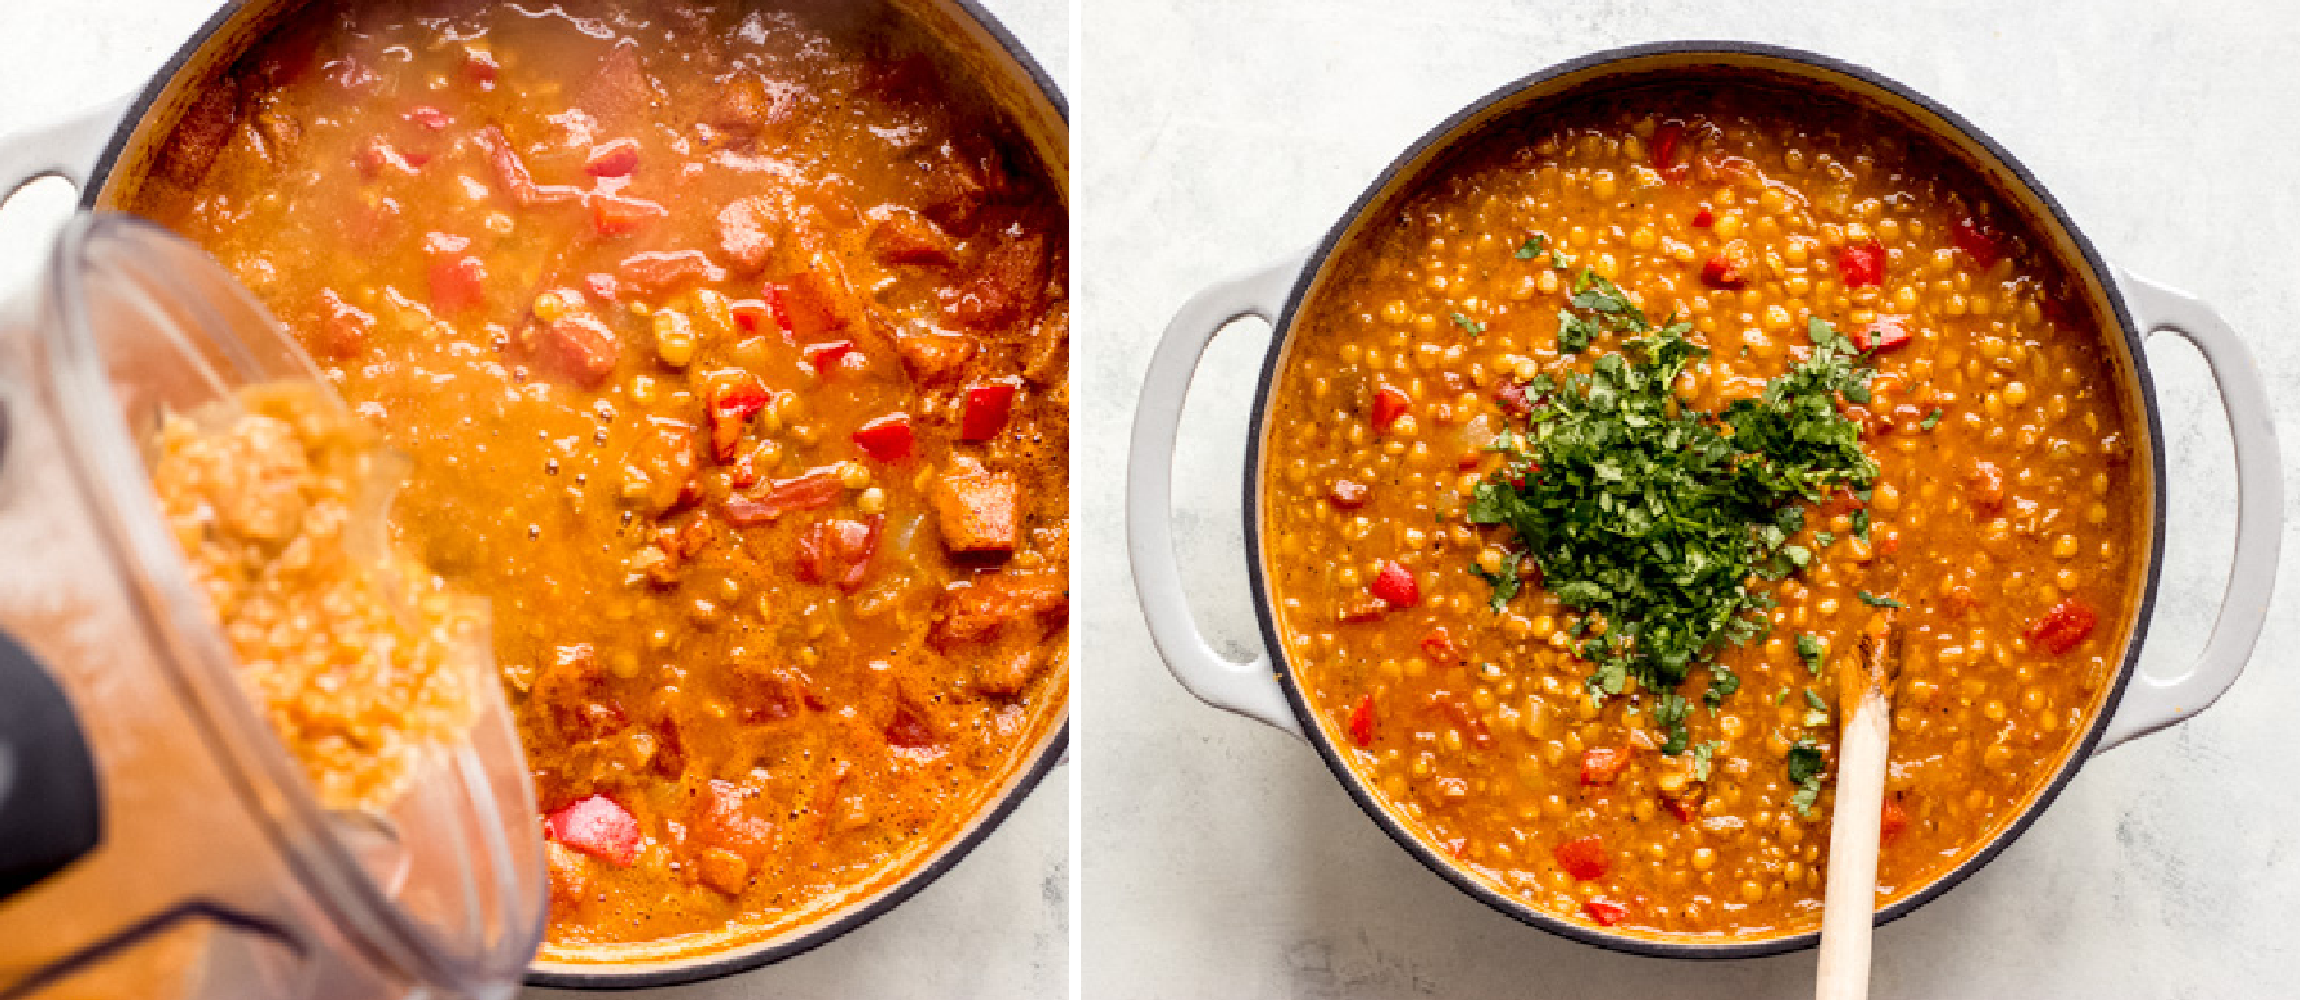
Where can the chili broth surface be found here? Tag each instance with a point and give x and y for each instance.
(2003, 516)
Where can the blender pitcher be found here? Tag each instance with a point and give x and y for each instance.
(156, 840)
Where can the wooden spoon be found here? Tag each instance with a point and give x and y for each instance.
(1848, 910)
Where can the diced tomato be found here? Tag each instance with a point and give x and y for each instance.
(824, 357)
(805, 307)
(887, 439)
(1606, 914)
(1704, 218)
(816, 489)
(458, 282)
(479, 67)
(978, 510)
(1584, 859)
(1724, 270)
(838, 551)
(656, 270)
(344, 327)
(598, 827)
(613, 159)
(378, 158)
(1395, 584)
(1887, 333)
(618, 215)
(753, 315)
(1348, 495)
(1511, 396)
(1665, 140)
(1364, 608)
(1888, 543)
(581, 348)
(1682, 808)
(985, 409)
(429, 117)
(735, 395)
(1986, 486)
(1438, 645)
(2062, 628)
(1389, 405)
(1862, 264)
(1977, 241)
(1362, 722)
(511, 173)
(1600, 765)
(1892, 819)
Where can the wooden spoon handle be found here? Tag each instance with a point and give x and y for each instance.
(1848, 911)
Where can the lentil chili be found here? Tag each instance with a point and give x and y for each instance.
(1470, 690)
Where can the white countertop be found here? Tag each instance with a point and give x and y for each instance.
(1219, 857)
(995, 926)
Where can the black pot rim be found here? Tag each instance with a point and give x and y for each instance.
(741, 959)
(1379, 187)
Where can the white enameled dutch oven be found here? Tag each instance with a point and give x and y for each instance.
(2131, 309)
(105, 153)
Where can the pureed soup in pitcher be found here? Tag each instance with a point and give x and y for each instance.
(729, 346)
(1589, 466)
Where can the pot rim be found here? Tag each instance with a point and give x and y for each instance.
(741, 958)
(1425, 152)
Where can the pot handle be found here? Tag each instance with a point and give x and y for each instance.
(2151, 702)
(66, 148)
(1249, 689)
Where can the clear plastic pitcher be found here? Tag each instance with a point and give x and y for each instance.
(156, 840)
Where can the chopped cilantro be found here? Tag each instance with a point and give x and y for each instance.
(1653, 514)
(1861, 524)
(1812, 649)
(1874, 601)
(1703, 753)
(1813, 698)
(1931, 420)
(1722, 683)
(1532, 247)
(1474, 327)
(1806, 768)
(1824, 539)
(1505, 581)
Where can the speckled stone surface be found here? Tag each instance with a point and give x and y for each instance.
(995, 926)
(1219, 858)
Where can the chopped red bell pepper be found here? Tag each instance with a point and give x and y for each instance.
(1439, 646)
(1606, 914)
(1976, 241)
(816, 489)
(1348, 495)
(2062, 628)
(753, 315)
(824, 357)
(1389, 405)
(887, 439)
(806, 307)
(1600, 765)
(598, 827)
(613, 159)
(1511, 396)
(1887, 333)
(1724, 271)
(1395, 585)
(734, 395)
(1362, 722)
(985, 409)
(429, 117)
(1862, 264)
(619, 215)
(1891, 820)
(1584, 859)
(1704, 219)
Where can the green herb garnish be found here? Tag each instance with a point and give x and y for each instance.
(1532, 247)
(1812, 649)
(1806, 766)
(1931, 420)
(1874, 601)
(1653, 514)
(1504, 582)
(1474, 327)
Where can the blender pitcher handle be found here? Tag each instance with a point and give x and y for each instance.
(2151, 702)
(66, 148)
(1249, 689)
